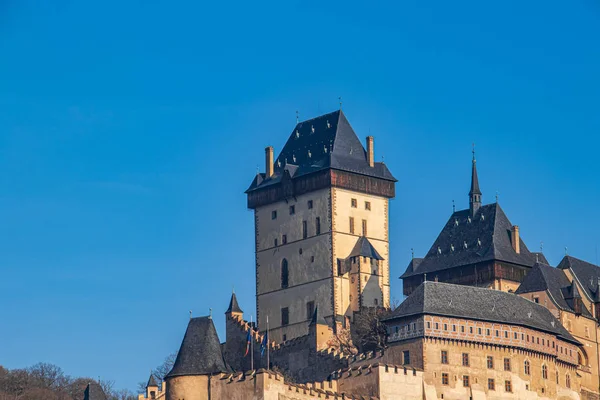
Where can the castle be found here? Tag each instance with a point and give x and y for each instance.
(484, 317)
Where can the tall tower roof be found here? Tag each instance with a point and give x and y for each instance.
(325, 142)
(233, 305)
(200, 351)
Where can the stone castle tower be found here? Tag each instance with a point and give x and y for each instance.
(321, 212)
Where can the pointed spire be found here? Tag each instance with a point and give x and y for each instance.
(151, 381)
(475, 192)
(317, 318)
(234, 307)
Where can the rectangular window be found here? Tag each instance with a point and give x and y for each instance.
(508, 386)
(444, 357)
(491, 384)
(497, 333)
(462, 329)
(465, 359)
(318, 226)
(479, 331)
(444, 379)
(283, 239)
(487, 332)
(310, 309)
(507, 364)
(453, 328)
(368, 205)
(304, 230)
(275, 242)
(364, 227)
(406, 357)
(274, 214)
(466, 380)
(428, 325)
(516, 335)
(292, 210)
(445, 327)
(490, 362)
(506, 334)
(285, 316)
(353, 203)
(437, 326)
(310, 204)
(352, 225)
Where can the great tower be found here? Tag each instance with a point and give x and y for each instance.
(321, 215)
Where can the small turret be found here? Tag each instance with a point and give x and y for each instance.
(151, 388)
(575, 297)
(234, 308)
(319, 329)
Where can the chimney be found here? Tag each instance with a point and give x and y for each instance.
(515, 239)
(370, 151)
(269, 161)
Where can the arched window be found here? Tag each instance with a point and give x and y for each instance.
(568, 381)
(527, 368)
(284, 274)
(544, 371)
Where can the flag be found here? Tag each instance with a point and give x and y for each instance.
(263, 344)
(248, 341)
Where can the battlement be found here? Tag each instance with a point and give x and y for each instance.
(243, 325)
(238, 385)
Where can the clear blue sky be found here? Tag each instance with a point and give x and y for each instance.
(130, 130)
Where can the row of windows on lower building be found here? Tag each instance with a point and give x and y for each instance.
(490, 365)
(309, 205)
(492, 382)
(488, 332)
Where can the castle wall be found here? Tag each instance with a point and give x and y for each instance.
(585, 330)
(309, 263)
(187, 387)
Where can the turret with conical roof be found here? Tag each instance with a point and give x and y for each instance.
(234, 307)
(319, 329)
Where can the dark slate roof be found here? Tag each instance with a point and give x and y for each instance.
(543, 277)
(94, 391)
(233, 305)
(470, 302)
(317, 318)
(200, 351)
(322, 143)
(364, 248)
(151, 381)
(413, 266)
(586, 273)
(486, 239)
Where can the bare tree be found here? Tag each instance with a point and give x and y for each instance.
(368, 332)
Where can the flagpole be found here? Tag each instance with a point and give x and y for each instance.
(251, 347)
(268, 350)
